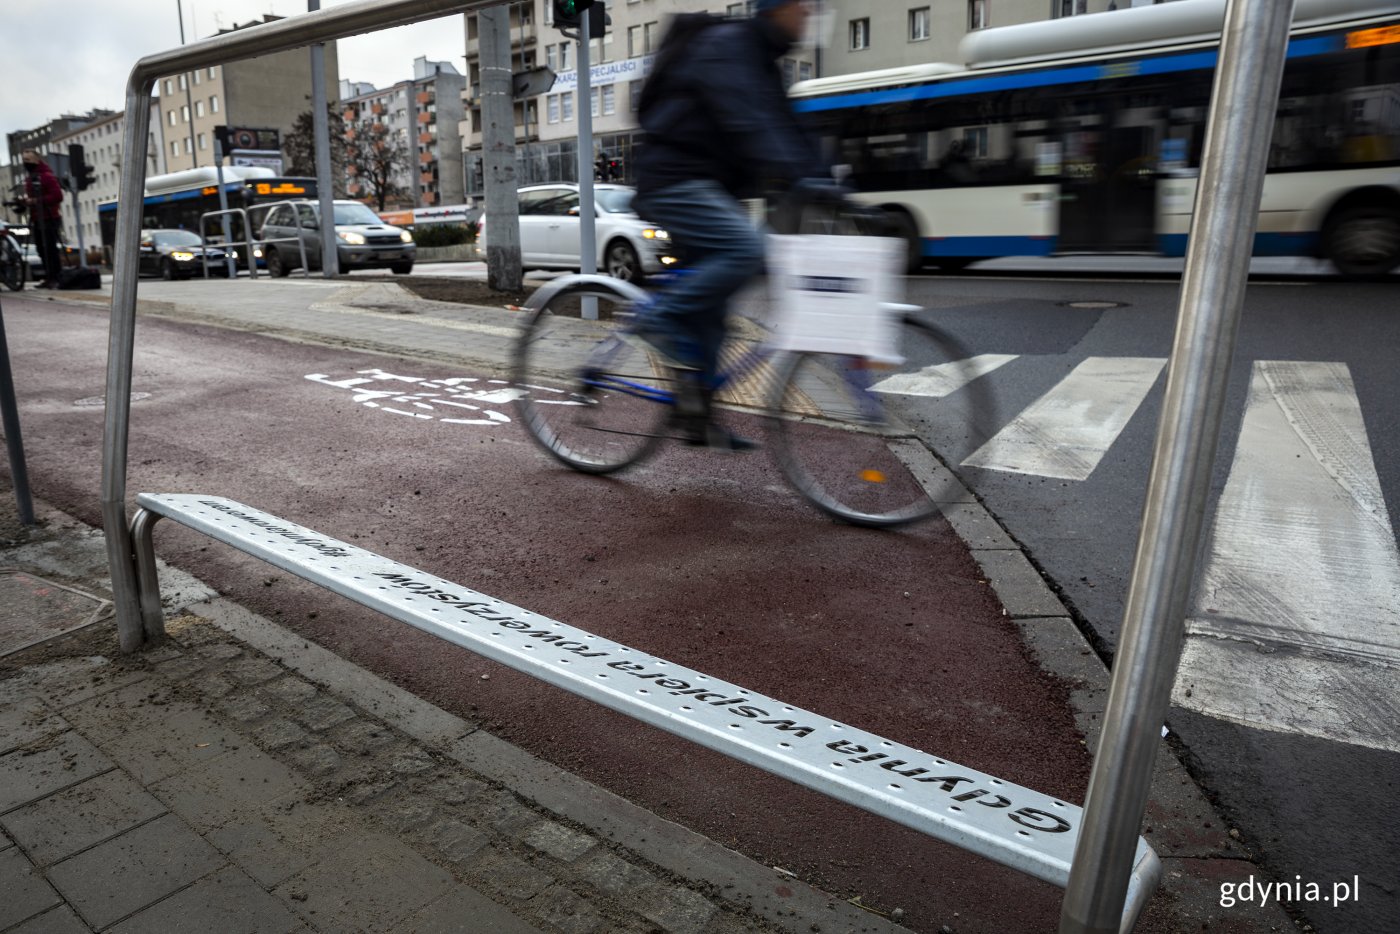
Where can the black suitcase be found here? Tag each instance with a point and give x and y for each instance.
(80, 277)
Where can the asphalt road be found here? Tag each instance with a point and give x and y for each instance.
(703, 558)
(1306, 787)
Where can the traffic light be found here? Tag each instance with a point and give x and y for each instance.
(569, 13)
(80, 171)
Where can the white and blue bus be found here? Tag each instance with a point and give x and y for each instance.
(1084, 135)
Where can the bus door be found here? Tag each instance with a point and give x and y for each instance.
(1108, 193)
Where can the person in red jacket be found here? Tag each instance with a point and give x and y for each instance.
(42, 196)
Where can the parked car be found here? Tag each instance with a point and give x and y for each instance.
(628, 247)
(362, 239)
(178, 254)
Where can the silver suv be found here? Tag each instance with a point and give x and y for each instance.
(362, 239)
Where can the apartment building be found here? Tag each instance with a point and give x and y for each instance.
(268, 92)
(102, 149)
(424, 115)
(547, 125)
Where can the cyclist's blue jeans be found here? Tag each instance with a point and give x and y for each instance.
(723, 251)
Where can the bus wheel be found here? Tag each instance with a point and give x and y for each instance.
(904, 227)
(275, 267)
(1364, 241)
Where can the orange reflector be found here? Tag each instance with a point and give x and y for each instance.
(1364, 38)
(872, 476)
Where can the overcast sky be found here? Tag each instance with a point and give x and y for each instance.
(70, 56)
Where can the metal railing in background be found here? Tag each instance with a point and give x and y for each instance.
(300, 238)
(247, 239)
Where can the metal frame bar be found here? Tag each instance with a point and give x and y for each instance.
(247, 239)
(339, 22)
(1010, 824)
(301, 232)
(1242, 107)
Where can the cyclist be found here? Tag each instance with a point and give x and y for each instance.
(717, 126)
(42, 197)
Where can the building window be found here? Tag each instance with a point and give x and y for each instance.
(552, 108)
(649, 35)
(184, 113)
(211, 74)
(609, 99)
(202, 143)
(804, 71)
(214, 104)
(566, 106)
(551, 58)
(976, 14)
(174, 147)
(634, 41)
(563, 56)
(860, 34)
(634, 95)
(199, 108)
(918, 24)
(196, 77)
(1070, 7)
(169, 88)
(182, 83)
(173, 118)
(593, 101)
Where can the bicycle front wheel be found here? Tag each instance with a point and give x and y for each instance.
(845, 440)
(12, 271)
(594, 400)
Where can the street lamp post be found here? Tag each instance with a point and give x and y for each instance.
(189, 92)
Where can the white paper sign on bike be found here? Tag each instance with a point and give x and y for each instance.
(834, 294)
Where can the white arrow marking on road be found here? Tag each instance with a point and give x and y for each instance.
(1296, 623)
(944, 379)
(1067, 431)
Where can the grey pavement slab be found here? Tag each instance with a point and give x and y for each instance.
(461, 909)
(371, 885)
(47, 765)
(278, 841)
(25, 893)
(227, 902)
(134, 870)
(27, 720)
(60, 920)
(224, 789)
(76, 818)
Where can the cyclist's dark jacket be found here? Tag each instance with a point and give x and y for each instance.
(721, 113)
(44, 192)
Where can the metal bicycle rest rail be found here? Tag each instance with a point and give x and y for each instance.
(247, 239)
(266, 208)
(1012, 825)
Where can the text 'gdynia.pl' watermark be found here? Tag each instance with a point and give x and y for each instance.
(1254, 892)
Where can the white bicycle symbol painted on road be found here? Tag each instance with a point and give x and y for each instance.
(459, 400)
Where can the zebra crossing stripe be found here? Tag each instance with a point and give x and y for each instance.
(1067, 431)
(943, 379)
(1295, 625)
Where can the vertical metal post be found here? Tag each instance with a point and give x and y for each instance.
(189, 90)
(503, 270)
(587, 234)
(320, 127)
(231, 264)
(121, 343)
(9, 417)
(1243, 103)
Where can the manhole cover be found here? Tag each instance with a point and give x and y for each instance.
(33, 609)
(1094, 305)
(102, 400)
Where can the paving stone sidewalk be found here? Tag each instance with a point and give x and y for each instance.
(203, 786)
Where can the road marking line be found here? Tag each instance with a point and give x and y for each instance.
(943, 379)
(1295, 626)
(1067, 431)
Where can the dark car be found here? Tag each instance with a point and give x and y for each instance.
(362, 239)
(178, 254)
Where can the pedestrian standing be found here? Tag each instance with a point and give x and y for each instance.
(43, 197)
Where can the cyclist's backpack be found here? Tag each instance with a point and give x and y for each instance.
(684, 28)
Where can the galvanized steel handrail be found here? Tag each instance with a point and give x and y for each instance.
(294, 32)
(300, 238)
(247, 239)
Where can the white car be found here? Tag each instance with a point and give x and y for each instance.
(628, 247)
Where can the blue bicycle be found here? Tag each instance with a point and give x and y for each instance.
(848, 431)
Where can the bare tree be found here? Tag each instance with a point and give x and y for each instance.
(376, 158)
(300, 148)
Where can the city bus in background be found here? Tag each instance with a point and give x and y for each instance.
(1083, 135)
(178, 200)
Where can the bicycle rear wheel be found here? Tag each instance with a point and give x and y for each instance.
(593, 400)
(12, 265)
(850, 442)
